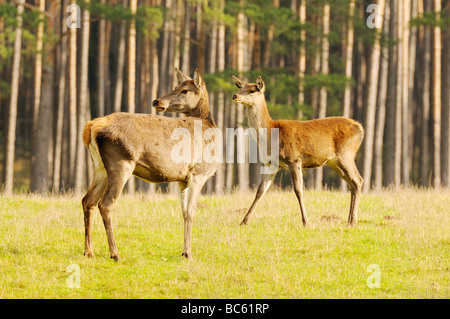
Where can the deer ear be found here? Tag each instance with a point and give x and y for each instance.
(260, 84)
(181, 76)
(238, 82)
(198, 81)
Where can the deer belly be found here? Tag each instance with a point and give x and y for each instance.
(314, 162)
(161, 173)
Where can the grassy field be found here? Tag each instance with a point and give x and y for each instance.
(405, 234)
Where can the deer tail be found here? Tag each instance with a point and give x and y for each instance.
(87, 133)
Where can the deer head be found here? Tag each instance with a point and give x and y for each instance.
(185, 97)
(250, 94)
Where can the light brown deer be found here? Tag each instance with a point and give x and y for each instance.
(305, 144)
(123, 144)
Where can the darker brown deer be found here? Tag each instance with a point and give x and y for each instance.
(305, 144)
(123, 144)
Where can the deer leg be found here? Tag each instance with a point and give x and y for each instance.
(295, 170)
(184, 199)
(346, 168)
(117, 177)
(189, 196)
(357, 182)
(183, 195)
(262, 189)
(89, 201)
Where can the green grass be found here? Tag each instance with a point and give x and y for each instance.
(406, 233)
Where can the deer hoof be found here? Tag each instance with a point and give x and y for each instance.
(186, 255)
(115, 257)
(244, 222)
(89, 254)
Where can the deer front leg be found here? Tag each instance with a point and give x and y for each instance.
(189, 195)
(355, 189)
(184, 199)
(295, 170)
(262, 189)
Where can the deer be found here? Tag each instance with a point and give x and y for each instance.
(123, 144)
(332, 141)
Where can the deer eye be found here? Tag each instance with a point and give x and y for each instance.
(252, 91)
(184, 92)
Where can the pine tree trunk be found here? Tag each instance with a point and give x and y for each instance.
(109, 96)
(80, 166)
(12, 117)
(43, 140)
(249, 44)
(399, 98)
(240, 49)
(446, 105)
(101, 65)
(405, 92)
(243, 168)
(270, 35)
(132, 75)
(120, 65)
(256, 63)
(360, 67)
(72, 98)
(389, 153)
(163, 68)
(213, 47)
(372, 104)
(132, 60)
(154, 73)
(177, 42)
(437, 98)
(200, 34)
(302, 55)
(314, 97)
(2, 43)
(38, 67)
(185, 67)
(171, 53)
(413, 105)
(381, 112)
(323, 90)
(220, 174)
(57, 159)
(39, 167)
(425, 121)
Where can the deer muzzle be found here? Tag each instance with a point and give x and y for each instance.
(158, 105)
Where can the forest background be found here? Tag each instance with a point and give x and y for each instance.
(383, 63)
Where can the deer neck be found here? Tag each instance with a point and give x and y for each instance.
(258, 116)
(202, 109)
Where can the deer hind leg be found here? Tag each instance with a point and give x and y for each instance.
(117, 177)
(295, 170)
(346, 168)
(189, 193)
(90, 200)
(93, 195)
(266, 181)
